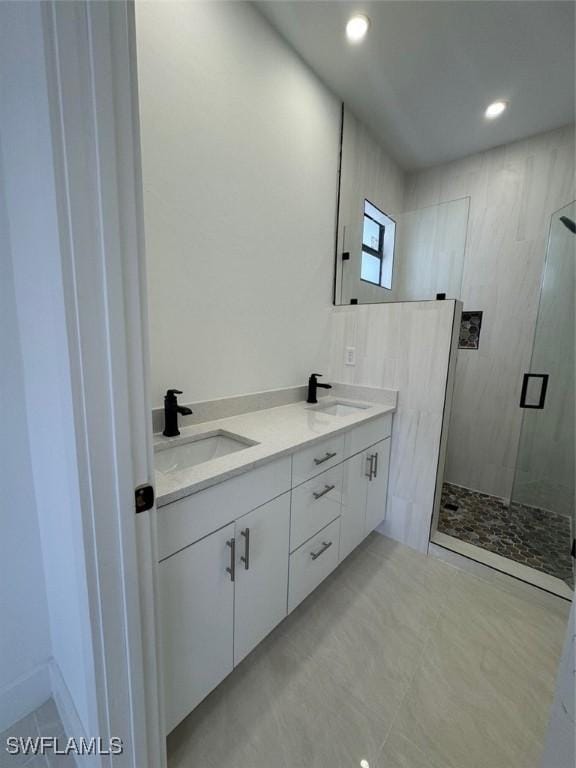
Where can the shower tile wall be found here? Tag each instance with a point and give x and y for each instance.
(514, 190)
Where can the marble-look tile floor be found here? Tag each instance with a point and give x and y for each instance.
(44, 721)
(534, 537)
(399, 660)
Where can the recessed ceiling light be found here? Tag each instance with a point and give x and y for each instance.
(495, 109)
(357, 27)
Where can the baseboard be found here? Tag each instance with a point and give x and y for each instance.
(65, 704)
(24, 695)
(33, 689)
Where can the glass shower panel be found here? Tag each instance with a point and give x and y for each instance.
(545, 468)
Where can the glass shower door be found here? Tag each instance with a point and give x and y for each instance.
(544, 480)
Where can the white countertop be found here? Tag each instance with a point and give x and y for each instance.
(278, 431)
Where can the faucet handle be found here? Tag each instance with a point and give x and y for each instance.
(171, 393)
(316, 374)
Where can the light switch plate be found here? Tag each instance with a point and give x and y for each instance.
(350, 356)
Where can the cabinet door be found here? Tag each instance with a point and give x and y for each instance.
(378, 485)
(196, 611)
(354, 494)
(262, 544)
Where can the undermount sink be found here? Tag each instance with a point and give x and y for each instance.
(340, 408)
(197, 450)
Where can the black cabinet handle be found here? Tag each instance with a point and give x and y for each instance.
(325, 545)
(543, 390)
(246, 557)
(325, 458)
(327, 489)
(232, 568)
(370, 460)
(376, 464)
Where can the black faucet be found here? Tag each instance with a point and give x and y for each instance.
(171, 411)
(313, 385)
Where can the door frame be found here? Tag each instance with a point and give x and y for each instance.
(91, 80)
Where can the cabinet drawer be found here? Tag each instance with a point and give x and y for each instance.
(312, 461)
(365, 435)
(184, 521)
(310, 564)
(315, 503)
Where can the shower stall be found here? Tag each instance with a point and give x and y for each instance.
(534, 528)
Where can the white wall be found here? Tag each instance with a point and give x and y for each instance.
(404, 346)
(513, 189)
(25, 635)
(240, 156)
(45, 388)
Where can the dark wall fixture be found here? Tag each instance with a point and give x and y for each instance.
(470, 330)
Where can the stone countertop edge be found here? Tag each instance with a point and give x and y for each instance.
(257, 426)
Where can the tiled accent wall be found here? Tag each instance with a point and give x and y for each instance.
(404, 346)
(514, 189)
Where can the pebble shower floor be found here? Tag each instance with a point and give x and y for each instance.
(534, 537)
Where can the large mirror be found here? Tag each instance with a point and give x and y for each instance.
(385, 252)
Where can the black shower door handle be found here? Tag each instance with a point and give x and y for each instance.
(543, 389)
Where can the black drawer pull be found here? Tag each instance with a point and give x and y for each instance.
(325, 458)
(370, 462)
(376, 464)
(325, 545)
(245, 558)
(327, 489)
(232, 569)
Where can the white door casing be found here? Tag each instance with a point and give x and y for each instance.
(91, 80)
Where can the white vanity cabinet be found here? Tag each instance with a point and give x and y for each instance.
(197, 616)
(378, 460)
(364, 491)
(236, 557)
(219, 598)
(354, 497)
(261, 573)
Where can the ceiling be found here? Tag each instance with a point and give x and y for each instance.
(426, 71)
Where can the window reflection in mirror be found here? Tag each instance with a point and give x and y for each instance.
(378, 235)
(385, 253)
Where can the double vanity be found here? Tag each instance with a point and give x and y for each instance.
(254, 511)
